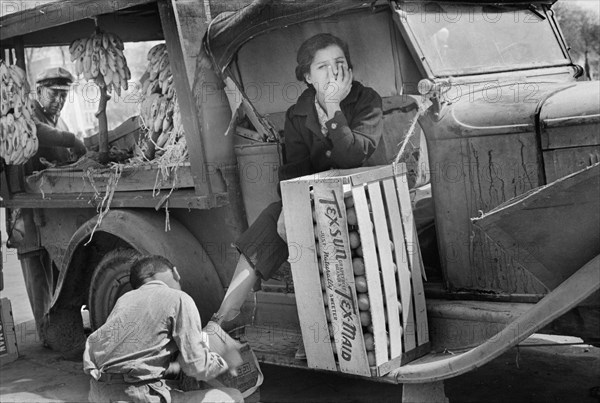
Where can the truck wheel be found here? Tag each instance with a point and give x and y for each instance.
(109, 281)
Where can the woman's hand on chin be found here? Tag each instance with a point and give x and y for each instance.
(336, 90)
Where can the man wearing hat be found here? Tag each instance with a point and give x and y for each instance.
(54, 143)
(53, 135)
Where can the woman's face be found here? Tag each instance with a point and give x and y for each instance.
(325, 66)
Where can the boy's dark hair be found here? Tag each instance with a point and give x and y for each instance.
(147, 266)
(308, 49)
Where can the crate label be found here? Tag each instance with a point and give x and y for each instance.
(336, 259)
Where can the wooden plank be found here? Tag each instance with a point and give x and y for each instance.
(55, 181)
(345, 174)
(128, 131)
(307, 282)
(218, 7)
(8, 338)
(15, 178)
(147, 28)
(336, 258)
(187, 103)
(4, 191)
(19, 47)
(57, 13)
(371, 174)
(403, 359)
(422, 325)
(186, 199)
(192, 20)
(414, 257)
(387, 268)
(402, 264)
(418, 251)
(372, 273)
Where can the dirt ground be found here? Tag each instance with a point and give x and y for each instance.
(553, 373)
(541, 369)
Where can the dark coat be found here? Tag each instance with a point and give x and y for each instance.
(353, 133)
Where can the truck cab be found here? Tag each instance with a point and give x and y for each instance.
(500, 114)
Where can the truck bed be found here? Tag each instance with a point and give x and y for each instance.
(84, 186)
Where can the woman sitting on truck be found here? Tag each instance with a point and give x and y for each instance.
(335, 123)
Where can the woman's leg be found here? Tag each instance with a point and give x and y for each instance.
(262, 252)
(241, 284)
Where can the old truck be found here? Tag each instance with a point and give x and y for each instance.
(507, 147)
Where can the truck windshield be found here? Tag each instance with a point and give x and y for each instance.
(471, 39)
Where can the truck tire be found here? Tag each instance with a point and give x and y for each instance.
(109, 281)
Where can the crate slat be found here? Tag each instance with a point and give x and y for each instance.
(414, 256)
(367, 241)
(336, 258)
(404, 281)
(371, 175)
(307, 282)
(423, 327)
(387, 268)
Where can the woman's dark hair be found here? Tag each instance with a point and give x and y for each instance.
(308, 49)
(147, 266)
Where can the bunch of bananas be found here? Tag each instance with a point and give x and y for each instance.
(18, 139)
(159, 108)
(100, 58)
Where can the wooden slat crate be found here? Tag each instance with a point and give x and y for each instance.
(357, 269)
(123, 136)
(8, 338)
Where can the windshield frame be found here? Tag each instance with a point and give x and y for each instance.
(425, 65)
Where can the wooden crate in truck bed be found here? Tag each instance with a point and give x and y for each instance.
(124, 136)
(357, 269)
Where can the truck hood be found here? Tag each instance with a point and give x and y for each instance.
(523, 107)
(571, 117)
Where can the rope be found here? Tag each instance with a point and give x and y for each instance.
(42, 187)
(411, 131)
(167, 219)
(104, 206)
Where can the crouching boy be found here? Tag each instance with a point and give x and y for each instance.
(130, 356)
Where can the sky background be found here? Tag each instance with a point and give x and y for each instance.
(593, 5)
(588, 4)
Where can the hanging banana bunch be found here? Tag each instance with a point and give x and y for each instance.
(100, 58)
(18, 139)
(159, 109)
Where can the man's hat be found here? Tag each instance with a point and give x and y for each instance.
(56, 78)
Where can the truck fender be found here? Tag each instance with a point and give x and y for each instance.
(145, 232)
(583, 283)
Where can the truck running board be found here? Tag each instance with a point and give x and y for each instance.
(436, 367)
